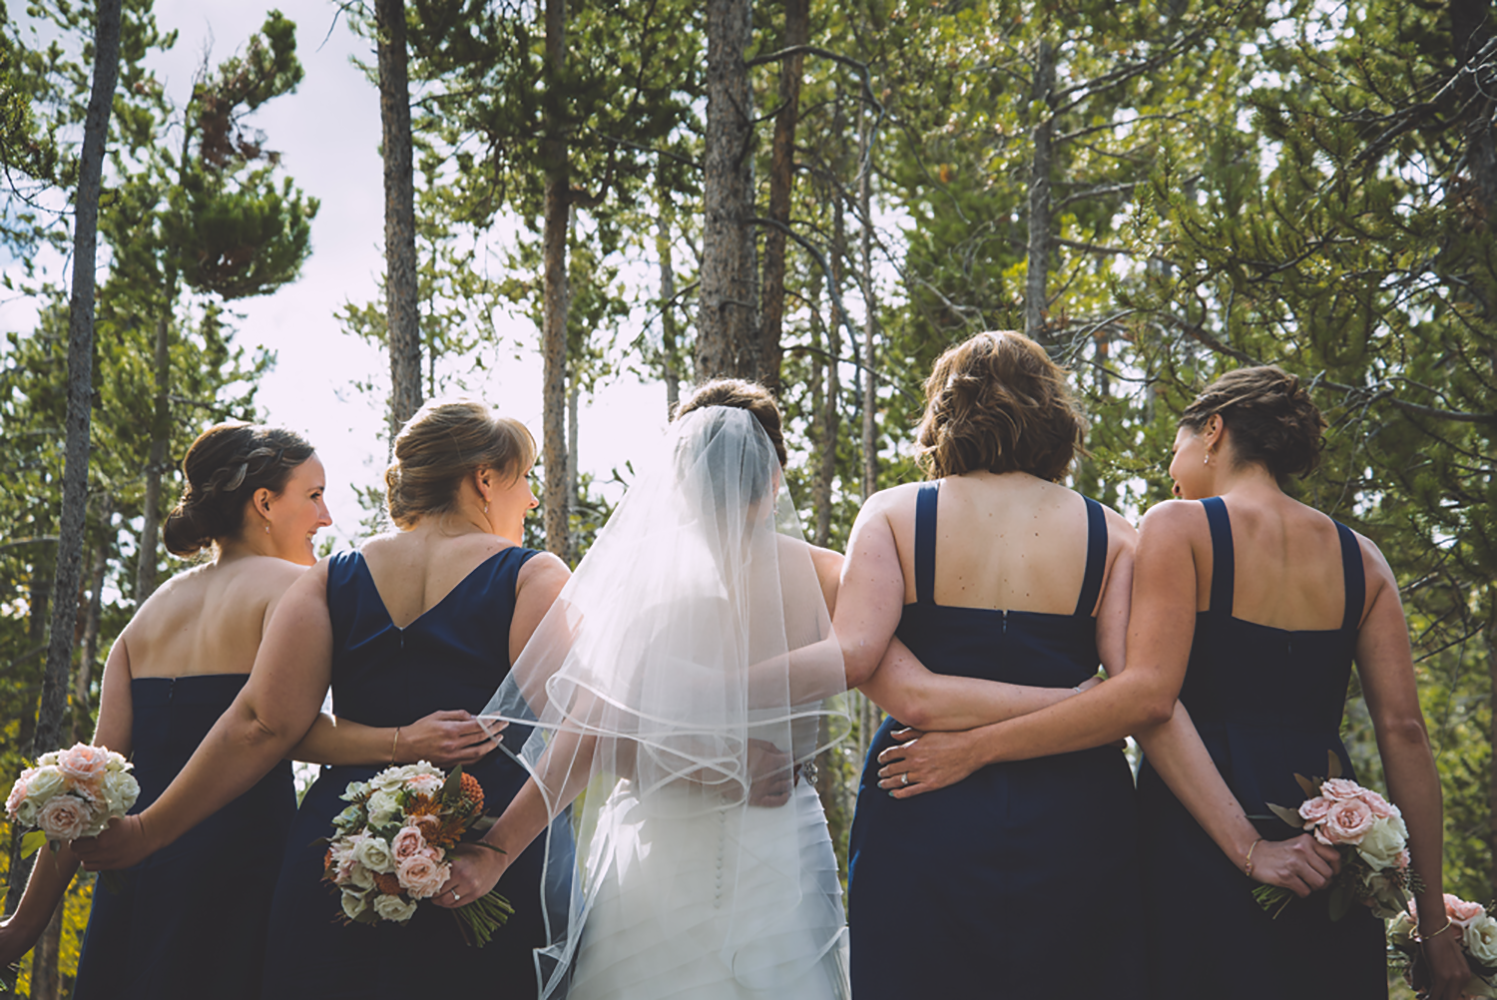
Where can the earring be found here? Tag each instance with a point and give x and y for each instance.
(1207, 459)
(267, 529)
(485, 507)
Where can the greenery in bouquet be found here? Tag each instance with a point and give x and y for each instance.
(390, 849)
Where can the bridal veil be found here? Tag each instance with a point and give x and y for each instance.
(684, 681)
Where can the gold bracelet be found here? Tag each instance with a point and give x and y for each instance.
(1442, 930)
(1248, 861)
(394, 743)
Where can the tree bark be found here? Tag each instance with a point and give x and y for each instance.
(1035, 304)
(38, 602)
(402, 306)
(573, 395)
(831, 415)
(54, 701)
(46, 981)
(554, 307)
(156, 463)
(1491, 637)
(870, 320)
(82, 692)
(728, 327)
(781, 186)
(1471, 29)
(669, 337)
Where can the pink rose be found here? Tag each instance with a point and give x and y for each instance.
(1340, 789)
(1461, 912)
(1313, 811)
(1403, 862)
(1381, 807)
(420, 876)
(64, 817)
(407, 843)
(17, 792)
(85, 764)
(1346, 823)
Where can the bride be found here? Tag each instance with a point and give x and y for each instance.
(677, 687)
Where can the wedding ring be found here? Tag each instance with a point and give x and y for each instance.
(904, 779)
(455, 896)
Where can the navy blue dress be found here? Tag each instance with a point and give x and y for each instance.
(452, 657)
(1267, 703)
(1021, 880)
(188, 921)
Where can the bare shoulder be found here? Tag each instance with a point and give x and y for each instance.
(826, 561)
(1173, 516)
(1120, 530)
(1374, 565)
(543, 568)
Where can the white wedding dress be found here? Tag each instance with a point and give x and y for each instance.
(683, 675)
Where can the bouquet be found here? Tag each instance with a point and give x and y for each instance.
(70, 794)
(390, 851)
(1369, 833)
(1477, 931)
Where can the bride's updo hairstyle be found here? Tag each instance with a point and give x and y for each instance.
(443, 443)
(224, 467)
(1273, 420)
(998, 403)
(737, 394)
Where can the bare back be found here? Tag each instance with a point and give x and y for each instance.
(1287, 564)
(1003, 542)
(207, 620)
(414, 570)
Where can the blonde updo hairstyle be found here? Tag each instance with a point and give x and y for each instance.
(224, 467)
(1273, 420)
(446, 441)
(998, 403)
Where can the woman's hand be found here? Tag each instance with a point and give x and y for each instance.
(924, 762)
(771, 774)
(1446, 966)
(476, 869)
(448, 739)
(1300, 864)
(124, 843)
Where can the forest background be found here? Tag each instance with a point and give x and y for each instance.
(597, 194)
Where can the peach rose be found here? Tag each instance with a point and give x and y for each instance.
(425, 784)
(85, 764)
(1341, 789)
(1346, 822)
(64, 817)
(17, 793)
(407, 843)
(421, 876)
(1381, 807)
(1461, 912)
(1314, 810)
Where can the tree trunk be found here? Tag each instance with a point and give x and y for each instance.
(54, 702)
(1491, 637)
(46, 981)
(781, 186)
(669, 346)
(831, 414)
(1039, 197)
(821, 494)
(554, 308)
(728, 327)
(402, 306)
(82, 692)
(573, 394)
(38, 603)
(870, 319)
(1471, 29)
(156, 464)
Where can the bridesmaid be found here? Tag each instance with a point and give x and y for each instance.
(992, 571)
(425, 617)
(254, 497)
(1267, 602)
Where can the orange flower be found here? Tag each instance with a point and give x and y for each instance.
(387, 884)
(472, 793)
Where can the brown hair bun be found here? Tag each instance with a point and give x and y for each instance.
(1273, 420)
(743, 395)
(445, 441)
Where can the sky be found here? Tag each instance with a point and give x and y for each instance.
(328, 134)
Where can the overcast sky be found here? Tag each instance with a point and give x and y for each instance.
(328, 133)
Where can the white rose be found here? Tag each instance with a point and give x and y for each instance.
(356, 790)
(116, 763)
(393, 907)
(45, 783)
(1401, 929)
(26, 811)
(383, 809)
(360, 877)
(373, 853)
(120, 792)
(1383, 842)
(349, 819)
(354, 903)
(392, 779)
(1481, 940)
(48, 759)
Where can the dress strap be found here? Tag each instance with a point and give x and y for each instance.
(1355, 576)
(925, 542)
(1096, 558)
(1223, 564)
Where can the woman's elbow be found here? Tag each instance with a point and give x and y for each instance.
(1402, 731)
(1153, 711)
(859, 666)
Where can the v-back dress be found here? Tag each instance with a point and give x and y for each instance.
(1021, 879)
(453, 656)
(1267, 703)
(189, 921)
